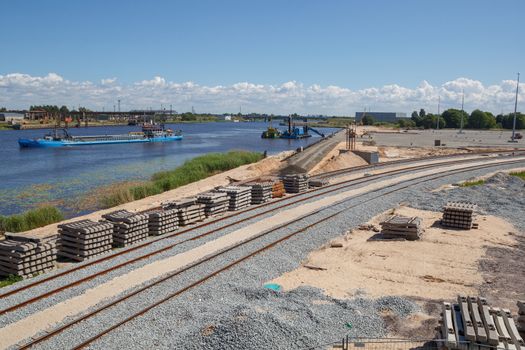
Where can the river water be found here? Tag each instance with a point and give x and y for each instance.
(60, 176)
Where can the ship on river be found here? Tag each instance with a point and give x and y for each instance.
(62, 138)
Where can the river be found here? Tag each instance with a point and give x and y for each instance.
(60, 176)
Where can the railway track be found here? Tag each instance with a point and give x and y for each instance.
(345, 171)
(398, 187)
(288, 201)
(171, 235)
(302, 197)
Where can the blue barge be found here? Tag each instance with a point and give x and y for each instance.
(150, 133)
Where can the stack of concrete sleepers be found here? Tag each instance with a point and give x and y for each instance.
(459, 215)
(190, 211)
(398, 226)
(471, 323)
(295, 183)
(84, 239)
(261, 192)
(239, 197)
(163, 221)
(215, 202)
(317, 182)
(26, 256)
(128, 227)
(278, 189)
(521, 315)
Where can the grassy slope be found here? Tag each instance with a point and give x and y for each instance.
(192, 170)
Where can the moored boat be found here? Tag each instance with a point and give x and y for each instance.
(150, 133)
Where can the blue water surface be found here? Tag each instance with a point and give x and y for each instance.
(60, 176)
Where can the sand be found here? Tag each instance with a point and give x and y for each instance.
(335, 160)
(443, 264)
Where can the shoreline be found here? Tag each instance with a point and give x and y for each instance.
(266, 167)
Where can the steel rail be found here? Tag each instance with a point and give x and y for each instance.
(343, 171)
(338, 186)
(411, 182)
(204, 224)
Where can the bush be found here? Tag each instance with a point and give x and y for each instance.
(30, 219)
(367, 120)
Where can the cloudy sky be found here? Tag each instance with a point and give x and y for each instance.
(21, 90)
(305, 56)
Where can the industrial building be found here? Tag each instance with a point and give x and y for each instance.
(390, 117)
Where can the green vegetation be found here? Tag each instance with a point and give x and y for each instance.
(451, 118)
(7, 281)
(332, 122)
(367, 120)
(192, 170)
(30, 219)
(520, 174)
(472, 183)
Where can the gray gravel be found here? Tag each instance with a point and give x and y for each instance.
(233, 308)
(502, 195)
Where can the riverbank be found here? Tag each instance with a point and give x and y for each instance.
(35, 126)
(191, 171)
(266, 167)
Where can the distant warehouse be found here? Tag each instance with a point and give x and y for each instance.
(390, 117)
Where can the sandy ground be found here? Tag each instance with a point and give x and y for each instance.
(265, 167)
(441, 265)
(335, 160)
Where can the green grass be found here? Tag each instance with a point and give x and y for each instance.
(30, 219)
(9, 280)
(520, 174)
(191, 171)
(472, 183)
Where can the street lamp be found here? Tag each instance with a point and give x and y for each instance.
(515, 110)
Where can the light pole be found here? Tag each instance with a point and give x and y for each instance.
(439, 102)
(462, 103)
(515, 109)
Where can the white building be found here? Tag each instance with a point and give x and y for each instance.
(11, 117)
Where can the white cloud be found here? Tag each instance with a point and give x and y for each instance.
(108, 81)
(19, 91)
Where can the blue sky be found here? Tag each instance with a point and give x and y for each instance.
(349, 44)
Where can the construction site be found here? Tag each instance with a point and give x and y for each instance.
(359, 240)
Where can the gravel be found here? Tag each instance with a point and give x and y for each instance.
(233, 311)
(502, 195)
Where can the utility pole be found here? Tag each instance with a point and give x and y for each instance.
(439, 115)
(515, 109)
(119, 106)
(462, 104)
(171, 111)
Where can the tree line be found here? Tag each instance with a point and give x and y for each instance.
(455, 118)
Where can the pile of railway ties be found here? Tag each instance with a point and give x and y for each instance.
(473, 324)
(24, 255)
